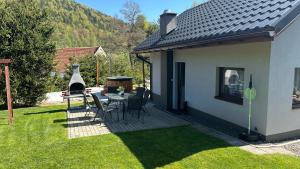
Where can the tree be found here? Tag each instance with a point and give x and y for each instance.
(25, 38)
(141, 23)
(134, 35)
(131, 11)
(148, 27)
(153, 27)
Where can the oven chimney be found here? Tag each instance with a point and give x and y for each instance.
(168, 22)
(77, 84)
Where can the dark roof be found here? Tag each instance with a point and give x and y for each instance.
(220, 20)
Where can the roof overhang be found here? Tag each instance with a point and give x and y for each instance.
(226, 40)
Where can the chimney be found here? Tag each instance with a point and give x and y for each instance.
(168, 22)
(76, 77)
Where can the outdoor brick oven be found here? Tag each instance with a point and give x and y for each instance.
(76, 85)
(117, 81)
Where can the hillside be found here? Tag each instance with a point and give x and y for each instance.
(80, 26)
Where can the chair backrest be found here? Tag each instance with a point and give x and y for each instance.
(134, 103)
(140, 92)
(112, 89)
(146, 97)
(98, 102)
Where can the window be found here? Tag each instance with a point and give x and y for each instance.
(231, 85)
(296, 92)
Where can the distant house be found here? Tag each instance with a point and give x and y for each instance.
(63, 56)
(202, 60)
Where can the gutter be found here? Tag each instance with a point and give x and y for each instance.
(142, 59)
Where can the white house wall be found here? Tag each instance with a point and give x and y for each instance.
(285, 57)
(201, 80)
(156, 73)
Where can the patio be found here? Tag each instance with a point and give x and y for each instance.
(81, 126)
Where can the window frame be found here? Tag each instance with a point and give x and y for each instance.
(220, 83)
(295, 106)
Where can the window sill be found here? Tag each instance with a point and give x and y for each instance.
(232, 100)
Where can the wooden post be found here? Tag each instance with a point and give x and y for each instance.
(8, 93)
(6, 62)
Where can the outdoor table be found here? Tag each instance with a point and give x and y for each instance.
(120, 99)
(76, 96)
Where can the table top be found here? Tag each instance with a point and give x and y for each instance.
(76, 96)
(117, 97)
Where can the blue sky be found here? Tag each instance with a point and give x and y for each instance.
(150, 8)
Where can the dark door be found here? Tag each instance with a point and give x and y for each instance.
(180, 85)
(170, 64)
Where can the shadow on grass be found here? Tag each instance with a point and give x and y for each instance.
(46, 112)
(160, 147)
(81, 119)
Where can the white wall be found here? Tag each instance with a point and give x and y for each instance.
(201, 80)
(155, 59)
(285, 57)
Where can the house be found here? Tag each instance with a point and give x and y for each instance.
(202, 60)
(63, 56)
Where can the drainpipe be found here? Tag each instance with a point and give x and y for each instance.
(150, 64)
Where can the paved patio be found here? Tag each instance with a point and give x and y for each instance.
(81, 126)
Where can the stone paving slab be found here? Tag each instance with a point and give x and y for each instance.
(80, 125)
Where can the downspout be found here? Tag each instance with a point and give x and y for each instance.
(150, 65)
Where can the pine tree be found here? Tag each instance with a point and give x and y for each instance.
(25, 38)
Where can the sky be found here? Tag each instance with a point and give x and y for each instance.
(150, 8)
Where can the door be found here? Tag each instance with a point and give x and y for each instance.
(180, 85)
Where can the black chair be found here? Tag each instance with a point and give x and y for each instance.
(145, 100)
(87, 105)
(140, 92)
(102, 111)
(135, 105)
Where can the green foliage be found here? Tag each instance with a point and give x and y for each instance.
(152, 27)
(79, 26)
(25, 37)
(148, 27)
(57, 83)
(118, 65)
(39, 139)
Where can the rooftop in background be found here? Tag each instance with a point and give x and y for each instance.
(63, 56)
(222, 20)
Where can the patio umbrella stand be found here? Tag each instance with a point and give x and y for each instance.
(250, 94)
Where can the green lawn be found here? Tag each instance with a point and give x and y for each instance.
(38, 139)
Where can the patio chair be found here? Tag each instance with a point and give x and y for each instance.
(135, 105)
(102, 111)
(140, 92)
(87, 105)
(145, 101)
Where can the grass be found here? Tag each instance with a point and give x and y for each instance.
(38, 139)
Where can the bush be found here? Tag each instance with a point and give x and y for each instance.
(25, 38)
